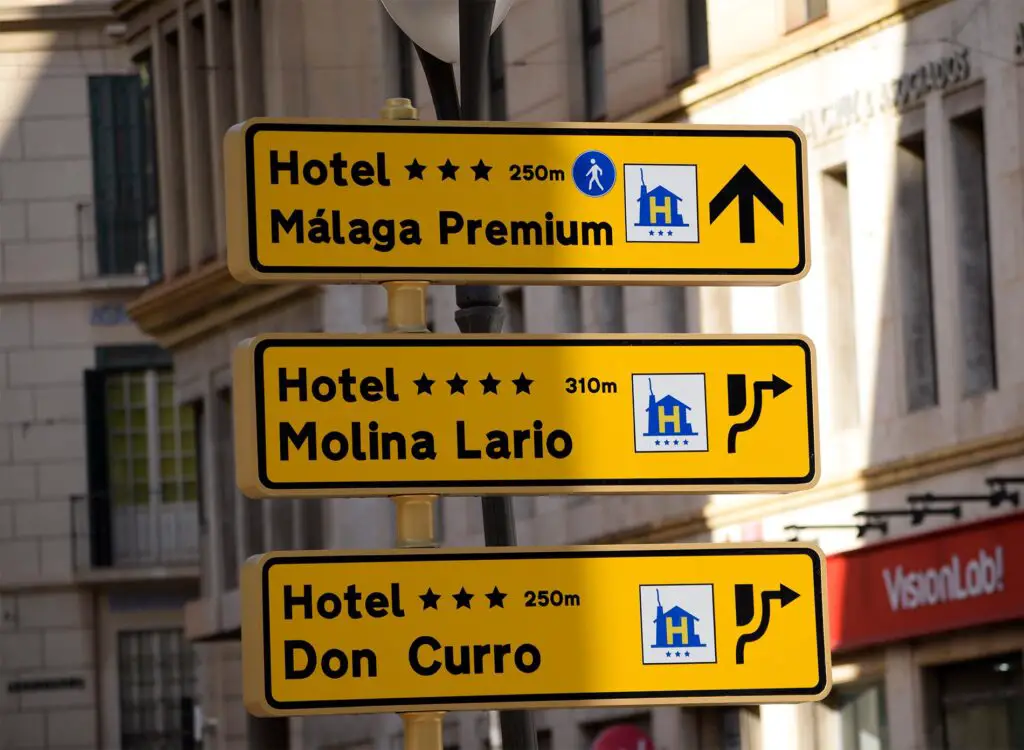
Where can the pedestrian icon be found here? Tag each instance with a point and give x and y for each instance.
(594, 173)
(678, 624)
(661, 202)
(669, 413)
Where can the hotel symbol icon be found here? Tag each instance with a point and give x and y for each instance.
(669, 413)
(661, 202)
(678, 623)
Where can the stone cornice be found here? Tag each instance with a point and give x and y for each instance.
(197, 302)
(99, 10)
(818, 37)
(756, 507)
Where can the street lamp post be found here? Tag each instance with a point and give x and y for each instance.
(445, 32)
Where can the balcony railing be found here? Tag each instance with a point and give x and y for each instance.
(110, 535)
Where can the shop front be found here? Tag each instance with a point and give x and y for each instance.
(943, 613)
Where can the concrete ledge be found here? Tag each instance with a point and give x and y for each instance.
(10, 292)
(191, 305)
(923, 465)
(214, 618)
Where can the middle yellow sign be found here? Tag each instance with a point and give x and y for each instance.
(344, 415)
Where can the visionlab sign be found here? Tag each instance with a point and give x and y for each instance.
(964, 576)
(928, 587)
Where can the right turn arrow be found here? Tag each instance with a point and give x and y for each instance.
(785, 595)
(777, 386)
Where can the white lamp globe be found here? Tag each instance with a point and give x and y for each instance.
(434, 24)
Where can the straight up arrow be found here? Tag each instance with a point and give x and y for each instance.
(744, 187)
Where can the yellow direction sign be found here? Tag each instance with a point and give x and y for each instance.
(367, 201)
(337, 415)
(324, 632)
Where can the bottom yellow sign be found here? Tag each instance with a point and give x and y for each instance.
(400, 630)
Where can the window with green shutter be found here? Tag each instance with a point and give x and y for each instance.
(124, 184)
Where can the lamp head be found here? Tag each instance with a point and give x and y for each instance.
(434, 24)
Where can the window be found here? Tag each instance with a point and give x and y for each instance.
(913, 251)
(593, 59)
(311, 516)
(977, 328)
(802, 12)
(727, 728)
(156, 689)
(143, 474)
(228, 494)
(248, 21)
(697, 33)
(853, 717)
(124, 173)
(405, 73)
(515, 321)
(201, 185)
(497, 96)
(676, 298)
(976, 704)
(610, 312)
(572, 309)
(842, 318)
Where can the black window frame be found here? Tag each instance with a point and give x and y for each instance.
(592, 38)
(124, 173)
(110, 360)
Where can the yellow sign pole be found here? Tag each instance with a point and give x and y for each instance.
(414, 514)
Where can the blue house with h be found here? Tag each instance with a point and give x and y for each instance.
(675, 628)
(667, 416)
(659, 207)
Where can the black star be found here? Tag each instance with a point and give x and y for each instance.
(496, 598)
(423, 384)
(415, 170)
(457, 384)
(490, 384)
(430, 599)
(522, 383)
(481, 170)
(448, 170)
(462, 599)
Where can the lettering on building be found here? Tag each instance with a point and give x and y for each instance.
(46, 684)
(891, 96)
(109, 315)
(981, 576)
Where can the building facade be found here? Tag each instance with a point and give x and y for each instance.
(98, 498)
(913, 115)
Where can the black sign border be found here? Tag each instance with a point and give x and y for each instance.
(256, 128)
(545, 698)
(259, 382)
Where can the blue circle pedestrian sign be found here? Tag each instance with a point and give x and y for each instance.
(593, 173)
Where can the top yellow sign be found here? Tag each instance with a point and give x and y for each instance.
(368, 201)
